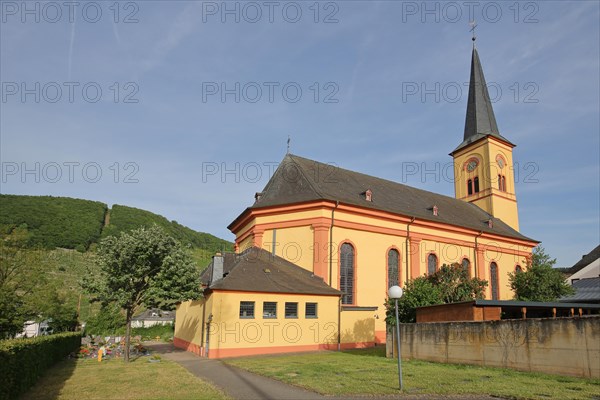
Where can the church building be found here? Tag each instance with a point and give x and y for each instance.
(320, 246)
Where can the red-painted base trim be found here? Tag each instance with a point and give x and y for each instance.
(253, 351)
(187, 346)
(380, 337)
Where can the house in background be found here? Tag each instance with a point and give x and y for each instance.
(34, 329)
(153, 317)
(587, 267)
(357, 235)
(585, 279)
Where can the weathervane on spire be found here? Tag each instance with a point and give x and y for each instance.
(473, 25)
(288, 144)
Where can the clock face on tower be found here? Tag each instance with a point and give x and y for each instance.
(471, 165)
(500, 162)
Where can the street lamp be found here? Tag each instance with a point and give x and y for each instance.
(395, 292)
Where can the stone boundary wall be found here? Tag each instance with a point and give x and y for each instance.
(565, 346)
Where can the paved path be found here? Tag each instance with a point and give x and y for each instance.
(244, 385)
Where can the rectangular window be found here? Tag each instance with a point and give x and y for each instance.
(291, 310)
(246, 309)
(311, 310)
(269, 309)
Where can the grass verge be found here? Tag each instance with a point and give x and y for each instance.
(368, 372)
(113, 379)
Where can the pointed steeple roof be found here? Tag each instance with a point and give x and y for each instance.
(480, 121)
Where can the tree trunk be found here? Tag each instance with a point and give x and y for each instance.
(127, 335)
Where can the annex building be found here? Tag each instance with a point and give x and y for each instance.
(318, 249)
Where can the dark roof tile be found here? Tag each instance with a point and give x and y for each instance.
(299, 180)
(586, 260)
(257, 270)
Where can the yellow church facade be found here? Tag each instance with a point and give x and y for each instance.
(356, 235)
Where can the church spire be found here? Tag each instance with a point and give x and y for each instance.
(480, 120)
(480, 114)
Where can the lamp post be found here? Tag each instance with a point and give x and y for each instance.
(395, 292)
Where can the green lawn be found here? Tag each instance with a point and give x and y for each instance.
(369, 372)
(113, 379)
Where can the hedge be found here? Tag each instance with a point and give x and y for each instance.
(23, 361)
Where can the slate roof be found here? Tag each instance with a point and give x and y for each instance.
(298, 180)
(586, 291)
(257, 270)
(480, 121)
(585, 260)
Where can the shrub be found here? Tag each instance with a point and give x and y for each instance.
(165, 332)
(23, 361)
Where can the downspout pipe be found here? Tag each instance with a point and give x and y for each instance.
(476, 247)
(339, 332)
(337, 203)
(412, 219)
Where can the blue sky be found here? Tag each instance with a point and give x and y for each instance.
(185, 107)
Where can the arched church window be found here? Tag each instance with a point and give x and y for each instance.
(502, 183)
(476, 184)
(466, 265)
(347, 273)
(470, 187)
(494, 280)
(518, 269)
(393, 267)
(431, 264)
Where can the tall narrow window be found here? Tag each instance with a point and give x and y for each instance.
(431, 264)
(466, 265)
(392, 267)
(347, 273)
(470, 187)
(476, 184)
(502, 183)
(494, 280)
(518, 269)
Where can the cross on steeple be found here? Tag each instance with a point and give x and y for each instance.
(473, 25)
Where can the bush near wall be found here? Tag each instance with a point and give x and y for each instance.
(23, 361)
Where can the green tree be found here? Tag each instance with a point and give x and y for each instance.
(145, 267)
(418, 292)
(449, 284)
(52, 306)
(108, 321)
(455, 285)
(539, 281)
(20, 279)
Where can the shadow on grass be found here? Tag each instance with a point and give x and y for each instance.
(377, 351)
(51, 383)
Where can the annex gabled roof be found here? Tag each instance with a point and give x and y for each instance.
(480, 121)
(585, 260)
(299, 180)
(257, 270)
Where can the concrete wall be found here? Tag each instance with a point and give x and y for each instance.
(565, 346)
